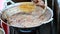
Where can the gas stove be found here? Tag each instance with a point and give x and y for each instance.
(17, 31)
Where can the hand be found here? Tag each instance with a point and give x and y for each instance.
(39, 3)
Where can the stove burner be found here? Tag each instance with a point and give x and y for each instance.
(19, 31)
(25, 30)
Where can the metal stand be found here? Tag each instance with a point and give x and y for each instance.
(52, 28)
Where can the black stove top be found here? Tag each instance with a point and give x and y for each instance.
(34, 32)
(12, 31)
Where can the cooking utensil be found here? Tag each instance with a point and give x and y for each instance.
(16, 4)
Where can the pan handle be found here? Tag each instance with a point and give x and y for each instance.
(8, 1)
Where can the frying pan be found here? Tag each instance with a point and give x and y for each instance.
(49, 10)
